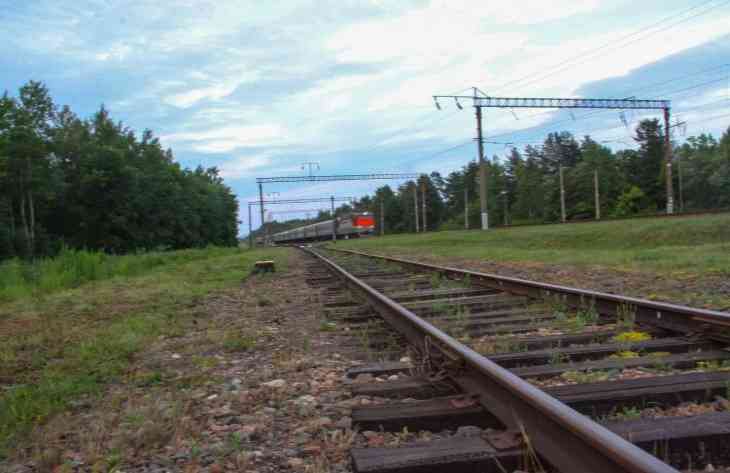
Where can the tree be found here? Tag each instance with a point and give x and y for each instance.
(7, 217)
(630, 202)
(92, 184)
(530, 193)
(559, 149)
(581, 196)
(391, 206)
(434, 203)
(646, 170)
(453, 191)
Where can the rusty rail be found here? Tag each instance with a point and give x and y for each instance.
(714, 324)
(568, 440)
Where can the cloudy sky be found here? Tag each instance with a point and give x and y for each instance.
(257, 88)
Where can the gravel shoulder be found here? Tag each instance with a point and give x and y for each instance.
(707, 291)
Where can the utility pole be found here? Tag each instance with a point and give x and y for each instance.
(506, 207)
(486, 101)
(382, 217)
(506, 211)
(334, 220)
(598, 195)
(415, 203)
(466, 205)
(681, 186)
(668, 153)
(562, 194)
(423, 205)
(668, 159)
(597, 191)
(250, 233)
(261, 199)
(482, 168)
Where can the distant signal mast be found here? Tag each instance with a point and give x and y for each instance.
(310, 166)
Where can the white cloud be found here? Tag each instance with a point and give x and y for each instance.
(334, 78)
(429, 37)
(117, 52)
(331, 95)
(616, 60)
(243, 166)
(224, 139)
(193, 96)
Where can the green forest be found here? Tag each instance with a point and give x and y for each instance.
(524, 187)
(68, 182)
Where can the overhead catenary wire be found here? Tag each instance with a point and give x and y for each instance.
(582, 131)
(653, 86)
(491, 140)
(594, 113)
(648, 114)
(573, 119)
(564, 65)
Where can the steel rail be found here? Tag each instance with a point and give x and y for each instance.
(714, 324)
(570, 441)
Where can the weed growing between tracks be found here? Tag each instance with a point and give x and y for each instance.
(71, 343)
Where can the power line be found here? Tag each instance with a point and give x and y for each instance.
(604, 46)
(440, 118)
(584, 131)
(303, 200)
(715, 117)
(537, 127)
(588, 115)
(651, 86)
(433, 155)
(562, 63)
(603, 128)
(531, 79)
(713, 68)
(438, 153)
(591, 114)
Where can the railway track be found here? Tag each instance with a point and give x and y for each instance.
(528, 376)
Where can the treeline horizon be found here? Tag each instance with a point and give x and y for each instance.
(68, 182)
(524, 187)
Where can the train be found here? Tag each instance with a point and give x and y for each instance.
(354, 225)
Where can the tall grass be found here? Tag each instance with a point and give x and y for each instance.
(71, 351)
(693, 244)
(72, 268)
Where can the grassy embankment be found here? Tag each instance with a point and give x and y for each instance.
(689, 245)
(72, 324)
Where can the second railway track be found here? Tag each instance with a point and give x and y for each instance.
(548, 378)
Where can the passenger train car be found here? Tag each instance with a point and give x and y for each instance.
(351, 226)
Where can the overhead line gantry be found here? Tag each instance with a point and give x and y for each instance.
(481, 100)
(311, 200)
(311, 178)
